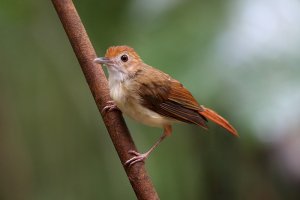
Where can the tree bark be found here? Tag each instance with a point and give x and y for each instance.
(98, 85)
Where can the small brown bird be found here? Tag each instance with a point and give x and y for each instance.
(151, 96)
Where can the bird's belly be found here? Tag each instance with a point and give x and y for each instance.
(144, 115)
(130, 106)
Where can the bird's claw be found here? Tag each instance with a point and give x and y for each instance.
(111, 106)
(138, 157)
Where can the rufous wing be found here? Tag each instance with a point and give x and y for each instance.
(169, 98)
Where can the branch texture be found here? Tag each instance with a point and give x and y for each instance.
(98, 85)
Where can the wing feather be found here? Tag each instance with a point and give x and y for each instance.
(169, 98)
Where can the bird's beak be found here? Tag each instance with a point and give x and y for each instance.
(103, 60)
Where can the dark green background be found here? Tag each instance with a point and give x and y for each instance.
(240, 58)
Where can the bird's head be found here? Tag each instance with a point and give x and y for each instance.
(120, 60)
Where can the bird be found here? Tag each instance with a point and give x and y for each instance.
(151, 97)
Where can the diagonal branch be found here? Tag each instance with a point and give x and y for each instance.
(97, 82)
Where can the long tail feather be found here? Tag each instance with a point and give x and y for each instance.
(215, 117)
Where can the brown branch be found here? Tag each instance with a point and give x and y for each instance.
(97, 82)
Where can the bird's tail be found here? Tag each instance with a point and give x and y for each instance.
(215, 117)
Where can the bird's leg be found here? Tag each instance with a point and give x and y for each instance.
(109, 107)
(140, 157)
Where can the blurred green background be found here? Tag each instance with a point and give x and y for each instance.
(239, 57)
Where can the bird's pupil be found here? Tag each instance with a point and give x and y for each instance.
(124, 58)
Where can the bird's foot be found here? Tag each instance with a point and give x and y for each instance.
(138, 157)
(110, 107)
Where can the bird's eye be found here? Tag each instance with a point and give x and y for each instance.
(124, 58)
